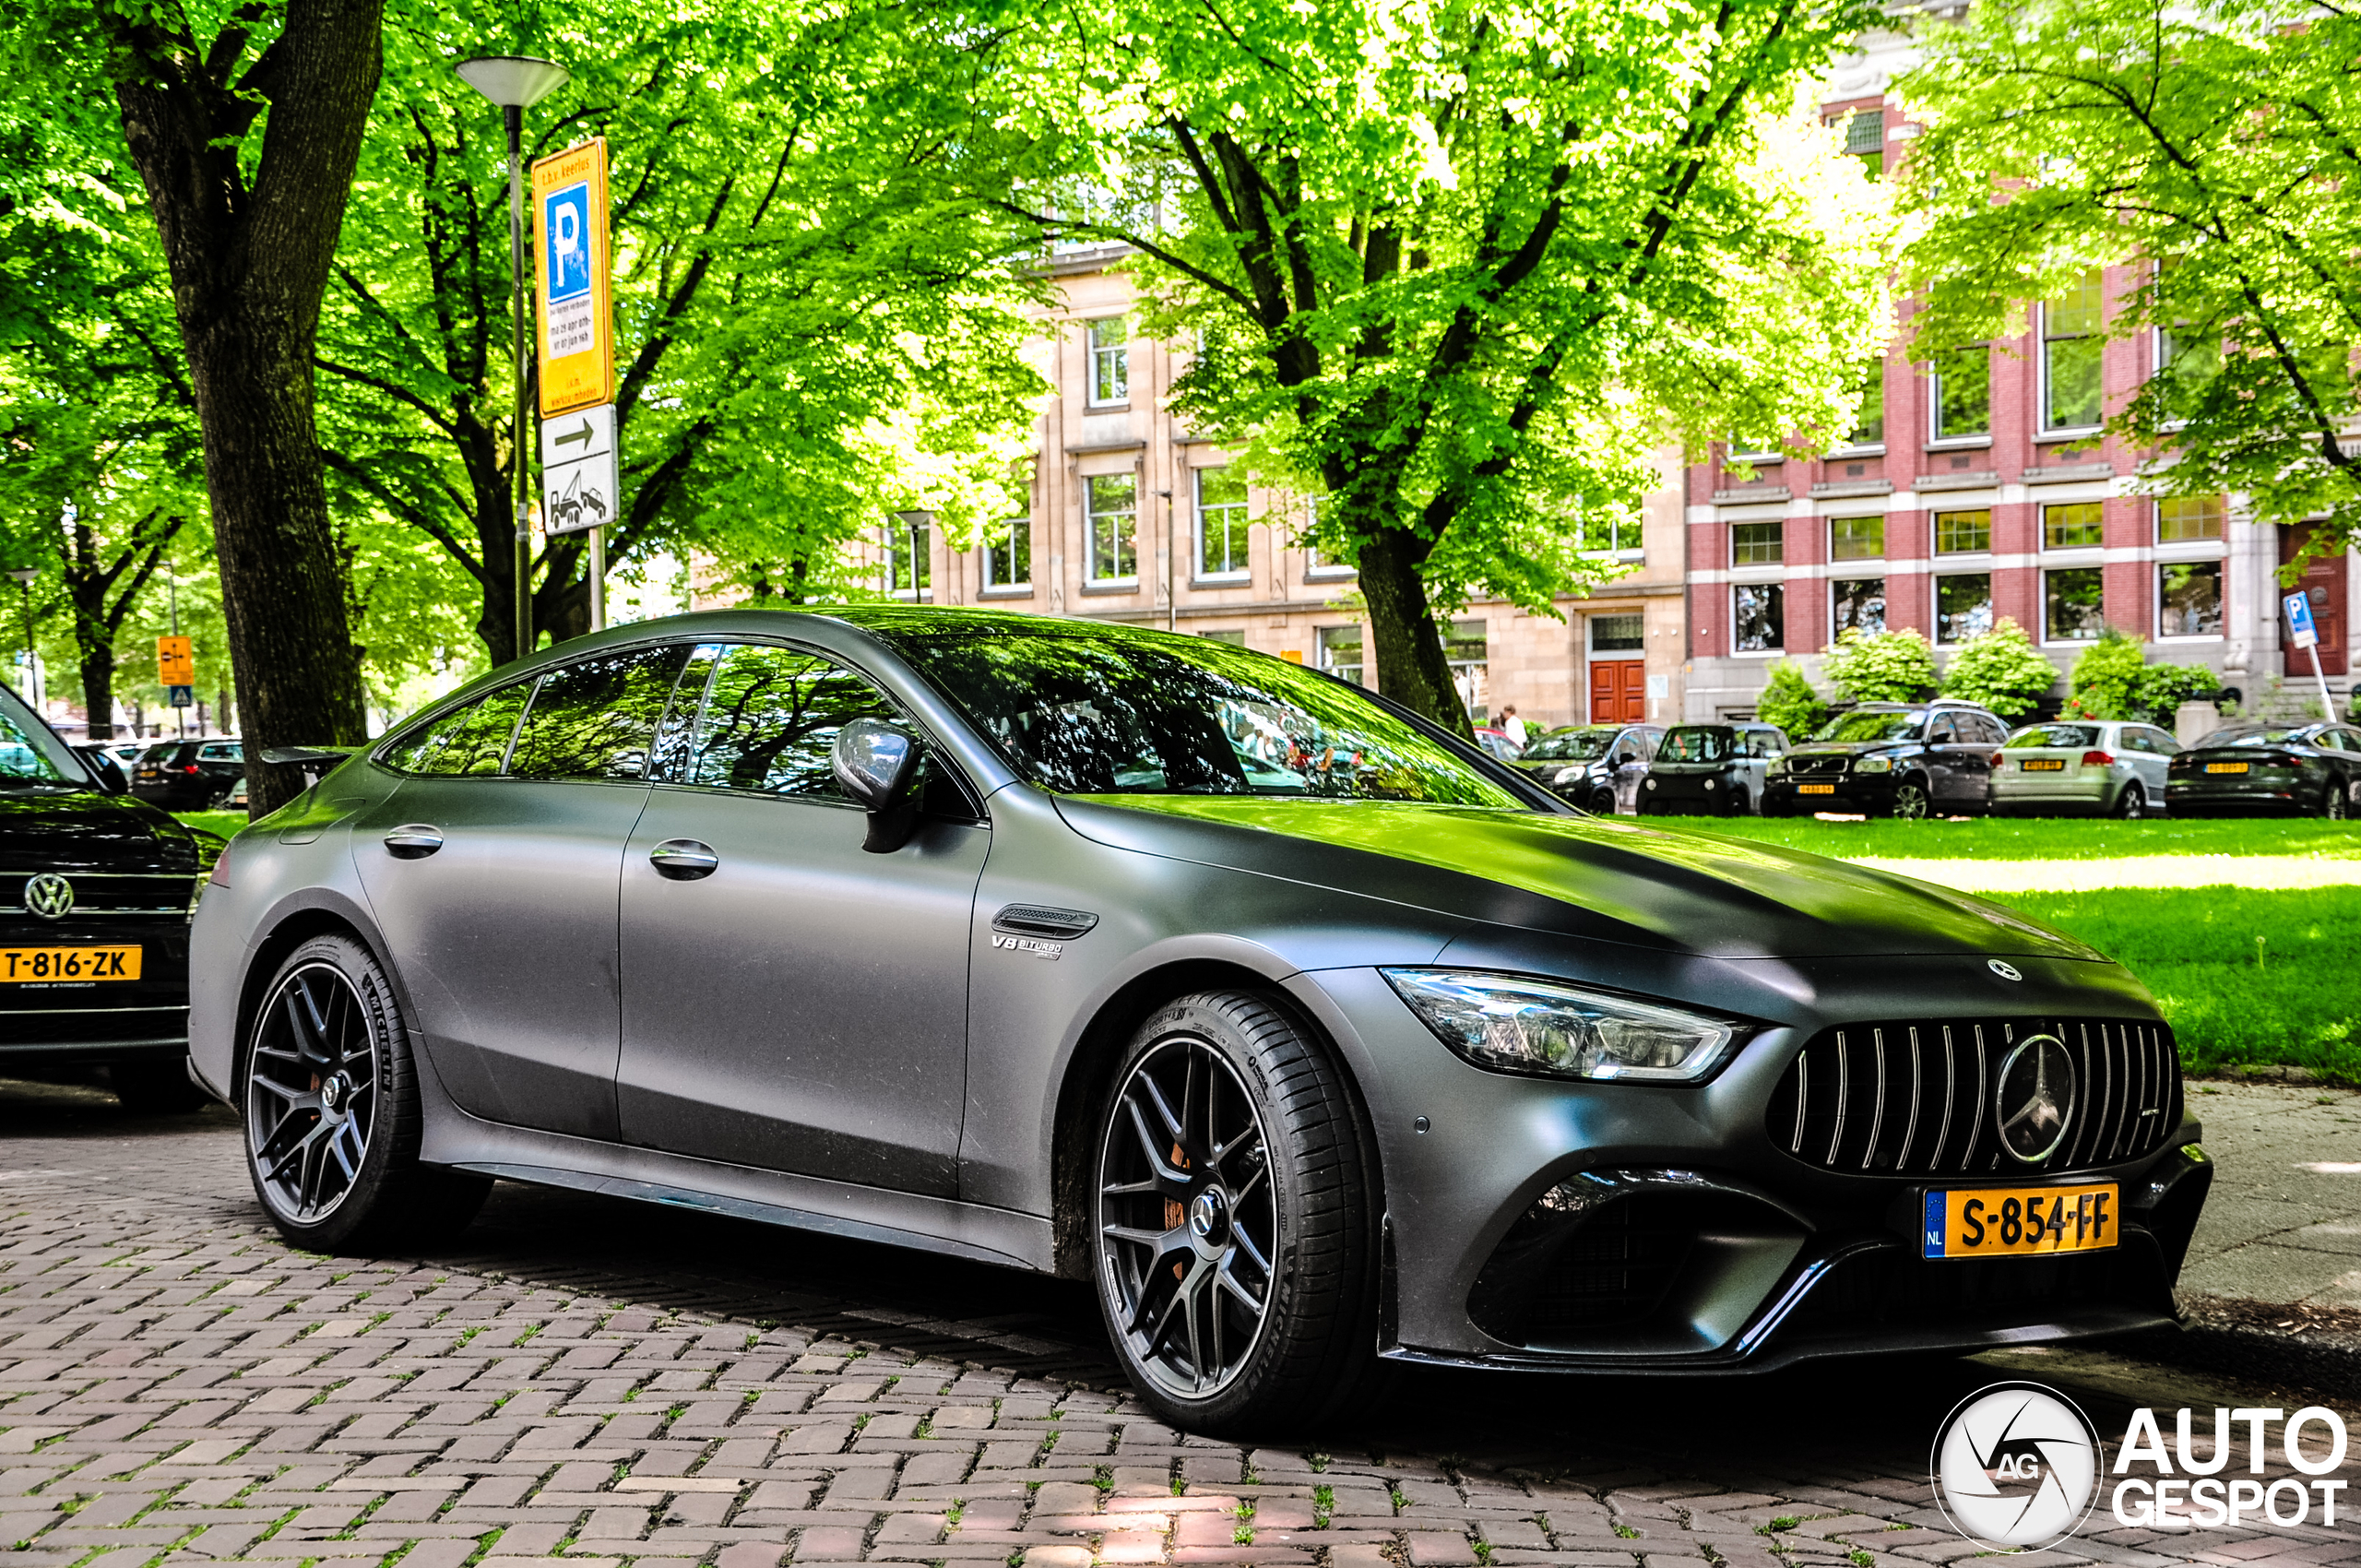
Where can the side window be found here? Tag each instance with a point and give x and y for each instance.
(771, 717)
(597, 717)
(676, 738)
(471, 740)
(1990, 732)
(1762, 743)
(1943, 731)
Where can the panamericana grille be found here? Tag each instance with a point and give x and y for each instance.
(1918, 1098)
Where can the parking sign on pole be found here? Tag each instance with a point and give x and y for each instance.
(2305, 635)
(577, 339)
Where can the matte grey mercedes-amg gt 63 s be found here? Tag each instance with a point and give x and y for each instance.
(1312, 1037)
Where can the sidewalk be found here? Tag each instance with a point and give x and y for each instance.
(2284, 1222)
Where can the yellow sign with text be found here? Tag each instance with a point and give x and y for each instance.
(576, 346)
(176, 662)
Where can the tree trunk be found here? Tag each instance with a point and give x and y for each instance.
(249, 263)
(1412, 667)
(98, 688)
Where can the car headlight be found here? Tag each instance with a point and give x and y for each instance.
(1511, 1024)
(1874, 764)
(1778, 766)
(1568, 775)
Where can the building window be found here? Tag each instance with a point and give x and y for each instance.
(910, 557)
(1464, 646)
(1317, 562)
(2189, 360)
(2071, 350)
(1963, 399)
(1008, 554)
(1856, 604)
(1856, 539)
(1869, 413)
(1221, 523)
(1759, 619)
(1619, 634)
(1962, 606)
(1963, 533)
(1865, 139)
(1340, 653)
(1112, 503)
(2079, 527)
(2189, 599)
(1758, 545)
(1109, 351)
(2181, 519)
(1617, 536)
(1229, 638)
(2076, 605)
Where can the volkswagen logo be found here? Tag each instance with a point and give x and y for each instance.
(2005, 969)
(49, 895)
(2035, 1098)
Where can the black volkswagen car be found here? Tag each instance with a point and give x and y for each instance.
(1581, 764)
(96, 890)
(2254, 769)
(1892, 759)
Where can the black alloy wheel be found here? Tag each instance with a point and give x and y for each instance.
(1602, 802)
(1910, 800)
(1233, 1253)
(331, 1101)
(2132, 805)
(2333, 805)
(1736, 805)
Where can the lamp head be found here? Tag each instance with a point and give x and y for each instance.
(513, 81)
(23, 575)
(919, 519)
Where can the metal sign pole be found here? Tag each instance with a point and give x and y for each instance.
(598, 579)
(514, 113)
(2328, 706)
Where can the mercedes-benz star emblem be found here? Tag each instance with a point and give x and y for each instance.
(49, 895)
(2005, 969)
(2035, 1098)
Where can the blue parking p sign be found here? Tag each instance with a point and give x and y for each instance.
(565, 236)
(2299, 620)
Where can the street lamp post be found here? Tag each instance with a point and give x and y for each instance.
(24, 575)
(516, 82)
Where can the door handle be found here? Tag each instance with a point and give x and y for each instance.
(414, 841)
(684, 859)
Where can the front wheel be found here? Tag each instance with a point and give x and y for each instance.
(331, 1106)
(1233, 1253)
(2333, 805)
(1910, 800)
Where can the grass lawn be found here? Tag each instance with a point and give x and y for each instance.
(227, 824)
(2039, 839)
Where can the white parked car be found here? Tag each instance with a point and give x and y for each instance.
(2079, 767)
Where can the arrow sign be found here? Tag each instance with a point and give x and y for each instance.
(579, 488)
(579, 438)
(582, 433)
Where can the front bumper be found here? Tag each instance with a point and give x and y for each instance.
(1870, 794)
(1676, 794)
(1602, 1227)
(49, 1023)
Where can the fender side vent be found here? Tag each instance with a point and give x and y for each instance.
(1037, 920)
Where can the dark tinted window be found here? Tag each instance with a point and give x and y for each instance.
(1765, 743)
(23, 759)
(2067, 736)
(597, 717)
(1141, 713)
(1707, 743)
(1858, 728)
(770, 720)
(473, 740)
(1570, 745)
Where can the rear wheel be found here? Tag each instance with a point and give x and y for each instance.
(1910, 800)
(1233, 1216)
(2134, 803)
(2333, 805)
(331, 1106)
(1737, 805)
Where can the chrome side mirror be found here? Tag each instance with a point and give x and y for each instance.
(876, 764)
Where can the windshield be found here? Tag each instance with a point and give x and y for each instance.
(2066, 735)
(1859, 727)
(30, 754)
(1087, 712)
(2301, 737)
(1702, 742)
(1570, 745)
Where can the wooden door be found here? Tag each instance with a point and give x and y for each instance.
(2323, 584)
(1618, 691)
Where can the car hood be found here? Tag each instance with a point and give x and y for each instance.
(1594, 877)
(70, 830)
(1847, 748)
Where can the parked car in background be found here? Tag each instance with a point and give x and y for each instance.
(124, 753)
(187, 775)
(1585, 765)
(2082, 767)
(1495, 741)
(1711, 771)
(95, 893)
(1901, 759)
(2252, 769)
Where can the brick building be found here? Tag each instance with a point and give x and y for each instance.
(1979, 485)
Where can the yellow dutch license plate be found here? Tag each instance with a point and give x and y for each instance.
(68, 964)
(2227, 767)
(1989, 1222)
(1815, 788)
(2043, 765)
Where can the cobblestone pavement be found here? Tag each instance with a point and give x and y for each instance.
(585, 1382)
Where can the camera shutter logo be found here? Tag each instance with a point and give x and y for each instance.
(2016, 1466)
(2035, 1101)
(49, 895)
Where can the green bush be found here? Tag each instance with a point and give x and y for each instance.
(2001, 670)
(2100, 683)
(1882, 666)
(1790, 703)
(2160, 689)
